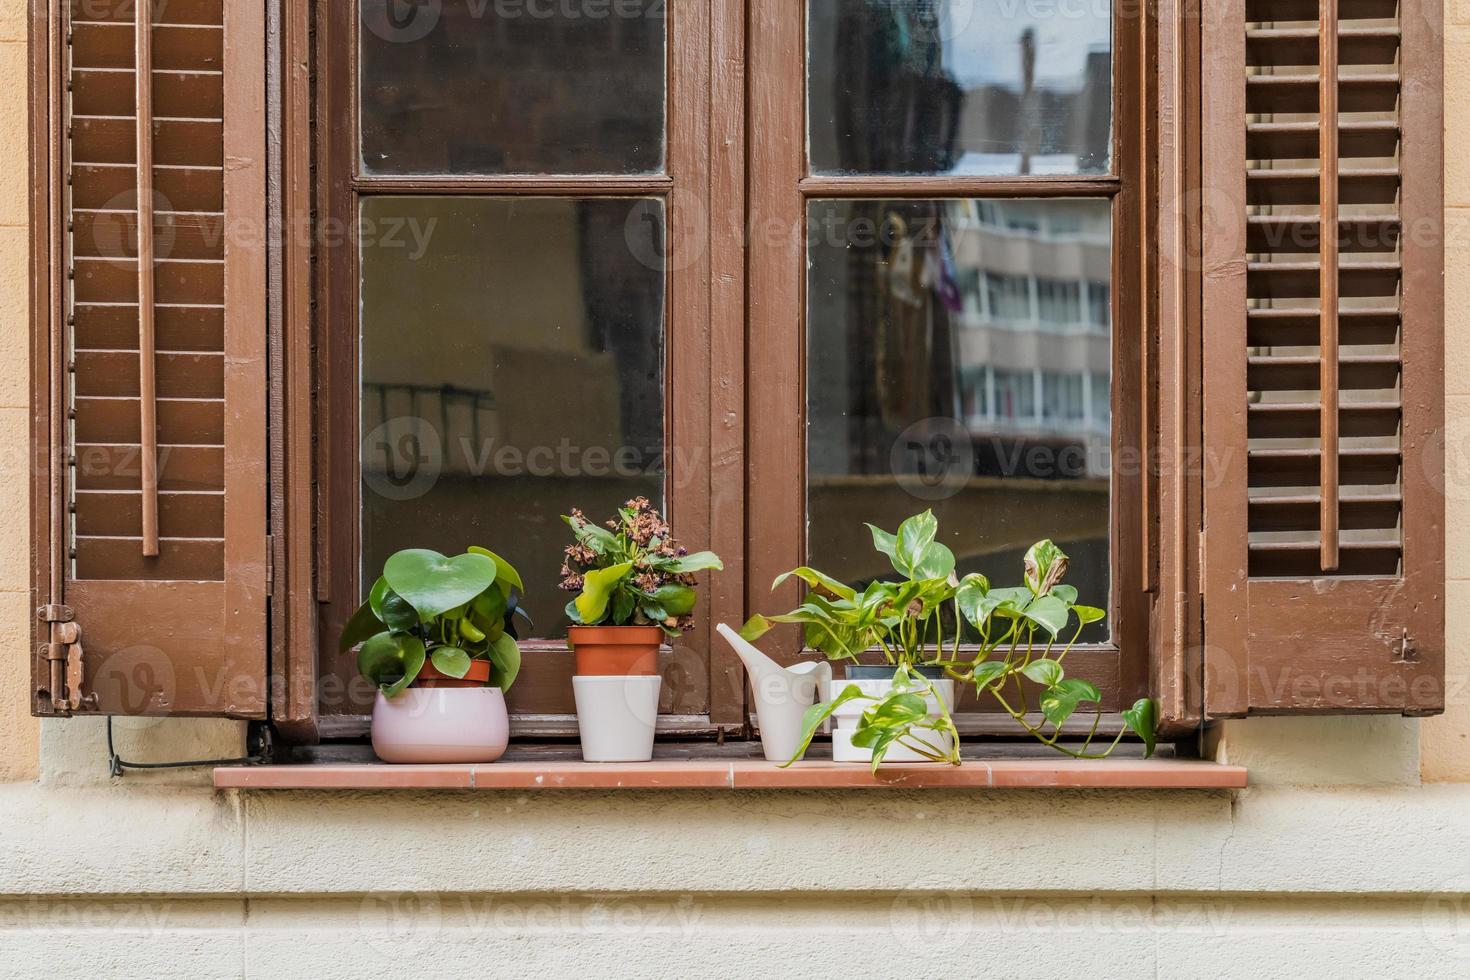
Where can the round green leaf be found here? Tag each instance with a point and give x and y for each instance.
(1142, 720)
(450, 661)
(387, 655)
(1088, 614)
(1047, 673)
(1066, 593)
(989, 672)
(434, 584)
(914, 537)
(362, 626)
(380, 658)
(700, 561)
(816, 580)
(504, 571)
(488, 608)
(392, 608)
(413, 663)
(676, 599)
(885, 543)
(1048, 612)
(505, 662)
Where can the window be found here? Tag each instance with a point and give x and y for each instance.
(1008, 298)
(936, 296)
(786, 267)
(1059, 304)
(522, 323)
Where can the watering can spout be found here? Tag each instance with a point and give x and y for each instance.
(756, 663)
(782, 694)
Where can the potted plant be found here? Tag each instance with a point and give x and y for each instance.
(437, 638)
(1022, 633)
(634, 585)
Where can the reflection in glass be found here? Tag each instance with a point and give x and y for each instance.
(939, 376)
(959, 86)
(512, 368)
(464, 87)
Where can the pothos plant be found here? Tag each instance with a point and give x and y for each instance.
(1022, 633)
(428, 608)
(631, 572)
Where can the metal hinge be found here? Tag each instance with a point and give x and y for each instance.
(1408, 650)
(63, 653)
(270, 563)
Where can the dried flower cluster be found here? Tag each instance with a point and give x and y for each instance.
(645, 539)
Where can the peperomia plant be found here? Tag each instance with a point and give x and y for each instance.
(1022, 633)
(631, 571)
(445, 611)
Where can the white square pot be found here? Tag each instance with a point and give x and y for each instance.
(847, 717)
(616, 717)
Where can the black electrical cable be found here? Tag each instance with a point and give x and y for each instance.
(116, 764)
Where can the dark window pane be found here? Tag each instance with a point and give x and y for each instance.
(959, 86)
(481, 87)
(954, 364)
(512, 368)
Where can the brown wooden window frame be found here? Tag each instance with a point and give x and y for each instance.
(754, 171)
(702, 393)
(781, 187)
(739, 339)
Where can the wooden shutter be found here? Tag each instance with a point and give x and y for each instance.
(1323, 356)
(149, 381)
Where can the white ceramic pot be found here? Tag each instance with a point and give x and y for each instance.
(441, 725)
(845, 721)
(616, 717)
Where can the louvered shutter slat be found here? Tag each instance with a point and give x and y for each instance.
(1323, 357)
(163, 566)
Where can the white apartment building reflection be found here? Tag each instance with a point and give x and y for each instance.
(1032, 340)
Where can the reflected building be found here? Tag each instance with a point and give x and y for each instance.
(959, 350)
(1033, 337)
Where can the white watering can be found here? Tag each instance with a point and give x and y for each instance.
(782, 694)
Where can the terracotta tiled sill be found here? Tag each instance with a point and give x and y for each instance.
(744, 774)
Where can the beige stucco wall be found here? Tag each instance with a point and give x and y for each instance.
(1350, 854)
(19, 732)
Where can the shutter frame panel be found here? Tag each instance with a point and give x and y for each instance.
(182, 633)
(1294, 624)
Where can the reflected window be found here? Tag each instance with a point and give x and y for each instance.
(1001, 427)
(959, 87)
(512, 88)
(512, 368)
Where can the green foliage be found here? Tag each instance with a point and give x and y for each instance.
(1025, 633)
(1142, 720)
(429, 608)
(636, 575)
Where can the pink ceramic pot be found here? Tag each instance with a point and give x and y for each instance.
(441, 725)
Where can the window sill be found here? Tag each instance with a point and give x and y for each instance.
(743, 774)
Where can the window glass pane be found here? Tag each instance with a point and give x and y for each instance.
(950, 366)
(466, 87)
(512, 368)
(959, 86)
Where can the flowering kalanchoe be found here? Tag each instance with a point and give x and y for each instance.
(630, 571)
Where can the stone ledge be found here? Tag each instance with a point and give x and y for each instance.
(744, 774)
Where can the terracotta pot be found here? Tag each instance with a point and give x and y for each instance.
(616, 651)
(478, 676)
